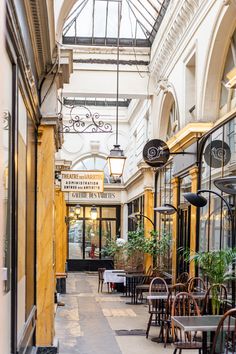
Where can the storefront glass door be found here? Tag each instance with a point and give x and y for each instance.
(87, 238)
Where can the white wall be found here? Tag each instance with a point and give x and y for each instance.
(191, 29)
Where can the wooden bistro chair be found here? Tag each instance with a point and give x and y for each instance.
(225, 336)
(219, 292)
(156, 307)
(183, 278)
(184, 305)
(101, 279)
(166, 322)
(143, 286)
(197, 285)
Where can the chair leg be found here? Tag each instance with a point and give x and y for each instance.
(149, 325)
(175, 351)
(101, 285)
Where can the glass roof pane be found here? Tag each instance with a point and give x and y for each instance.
(91, 19)
(112, 26)
(100, 18)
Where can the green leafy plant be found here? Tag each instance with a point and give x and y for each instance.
(157, 246)
(117, 250)
(216, 265)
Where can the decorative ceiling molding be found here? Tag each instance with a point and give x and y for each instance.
(172, 36)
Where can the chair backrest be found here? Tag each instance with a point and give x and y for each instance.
(100, 273)
(215, 302)
(183, 278)
(184, 304)
(225, 336)
(178, 288)
(196, 284)
(158, 285)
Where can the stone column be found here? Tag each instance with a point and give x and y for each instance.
(175, 184)
(194, 185)
(45, 285)
(148, 211)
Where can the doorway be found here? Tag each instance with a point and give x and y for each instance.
(88, 239)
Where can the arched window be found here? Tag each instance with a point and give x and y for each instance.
(173, 123)
(94, 163)
(228, 95)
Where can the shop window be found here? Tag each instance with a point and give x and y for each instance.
(165, 222)
(215, 225)
(134, 207)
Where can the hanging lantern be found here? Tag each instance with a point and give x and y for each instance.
(77, 210)
(116, 161)
(93, 213)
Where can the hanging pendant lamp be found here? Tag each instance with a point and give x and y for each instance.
(116, 159)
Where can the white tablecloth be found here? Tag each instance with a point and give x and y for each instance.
(113, 276)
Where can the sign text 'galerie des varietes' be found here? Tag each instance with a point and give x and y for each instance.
(82, 181)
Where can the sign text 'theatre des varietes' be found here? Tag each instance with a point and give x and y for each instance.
(82, 181)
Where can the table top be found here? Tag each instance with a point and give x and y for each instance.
(115, 271)
(111, 276)
(200, 323)
(133, 275)
(163, 295)
(157, 296)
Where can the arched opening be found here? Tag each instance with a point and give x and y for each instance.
(218, 50)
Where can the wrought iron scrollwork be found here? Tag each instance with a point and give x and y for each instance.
(86, 123)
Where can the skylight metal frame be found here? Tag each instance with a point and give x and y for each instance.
(145, 21)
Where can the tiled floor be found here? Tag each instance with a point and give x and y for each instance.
(88, 321)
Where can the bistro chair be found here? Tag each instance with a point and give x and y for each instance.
(196, 284)
(183, 278)
(184, 305)
(156, 306)
(143, 286)
(166, 321)
(218, 306)
(225, 336)
(101, 279)
(197, 287)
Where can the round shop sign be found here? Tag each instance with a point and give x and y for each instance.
(217, 154)
(156, 153)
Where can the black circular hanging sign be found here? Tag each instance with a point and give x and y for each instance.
(217, 154)
(156, 153)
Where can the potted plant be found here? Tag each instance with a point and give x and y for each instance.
(117, 250)
(217, 266)
(136, 248)
(157, 246)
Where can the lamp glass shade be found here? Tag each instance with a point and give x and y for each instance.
(116, 161)
(71, 213)
(93, 213)
(195, 199)
(77, 209)
(226, 184)
(167, 210)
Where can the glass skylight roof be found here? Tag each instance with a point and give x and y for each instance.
(95, 22)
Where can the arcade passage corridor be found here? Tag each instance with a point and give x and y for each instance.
(117, 176)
